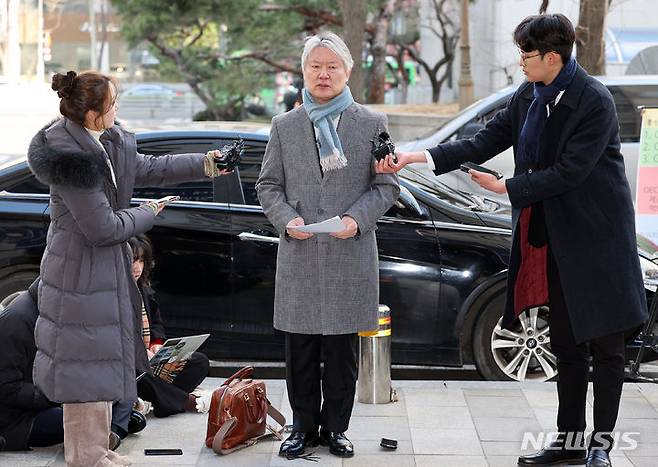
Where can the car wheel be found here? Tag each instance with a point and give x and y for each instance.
(522, 353)
(13, 285)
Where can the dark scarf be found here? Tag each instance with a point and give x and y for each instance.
(537, 116)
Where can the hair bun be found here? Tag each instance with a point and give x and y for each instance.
(64, 84)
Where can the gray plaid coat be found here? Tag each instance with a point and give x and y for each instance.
(325, 285)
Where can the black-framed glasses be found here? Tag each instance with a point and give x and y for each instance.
(525, 58)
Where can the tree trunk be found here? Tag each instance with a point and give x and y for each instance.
(436, 88)
(590, 35)
(403, 80)
(377, 83)
(354, 23)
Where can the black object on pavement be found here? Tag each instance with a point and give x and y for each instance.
(163, 452)
(389, 443)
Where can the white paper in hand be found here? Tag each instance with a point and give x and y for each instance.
(329, 226)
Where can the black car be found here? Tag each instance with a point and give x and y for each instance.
(443, 256)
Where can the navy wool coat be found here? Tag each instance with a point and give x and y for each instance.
(579, 179)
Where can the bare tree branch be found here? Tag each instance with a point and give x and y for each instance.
(323, 16)
(201, 29)
(447, 33)
(326, 16)
(265, 58)
(177, 57)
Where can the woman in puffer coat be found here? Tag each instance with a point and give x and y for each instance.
(89, 304)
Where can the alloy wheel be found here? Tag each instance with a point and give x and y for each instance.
(524, 352)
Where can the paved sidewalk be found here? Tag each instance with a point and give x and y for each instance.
(451, 424)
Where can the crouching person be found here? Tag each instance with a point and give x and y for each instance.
(27, 418)
(170, 391)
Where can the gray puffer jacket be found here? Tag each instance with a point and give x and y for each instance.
(89, 304)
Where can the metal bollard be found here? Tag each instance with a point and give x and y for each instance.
(374, 383)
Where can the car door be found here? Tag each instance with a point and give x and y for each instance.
(191, 239)
(410, 284)
(254, 248)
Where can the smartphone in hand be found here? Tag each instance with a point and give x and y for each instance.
(167, 200)
(466, 166)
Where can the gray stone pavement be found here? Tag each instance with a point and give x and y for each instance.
(436, 423)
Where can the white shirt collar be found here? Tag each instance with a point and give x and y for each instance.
(97, 137)
(95, 134)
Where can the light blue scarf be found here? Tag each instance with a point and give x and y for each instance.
(322, 115)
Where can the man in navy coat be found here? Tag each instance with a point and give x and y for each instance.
(574, 244)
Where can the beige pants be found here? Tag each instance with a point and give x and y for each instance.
(87, 434)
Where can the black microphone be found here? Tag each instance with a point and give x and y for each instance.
(230, 155)
(382, 146)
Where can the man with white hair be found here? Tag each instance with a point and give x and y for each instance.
(317, 165)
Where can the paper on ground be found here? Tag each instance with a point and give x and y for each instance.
(329, 226)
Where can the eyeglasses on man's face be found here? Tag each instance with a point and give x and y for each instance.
(525, 57)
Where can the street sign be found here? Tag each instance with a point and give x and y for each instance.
(646, 199)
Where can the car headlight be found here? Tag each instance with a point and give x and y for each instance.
(649, 274)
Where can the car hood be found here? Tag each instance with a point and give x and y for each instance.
(491, 212)
(646, 247)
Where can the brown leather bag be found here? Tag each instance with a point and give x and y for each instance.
(238, 414)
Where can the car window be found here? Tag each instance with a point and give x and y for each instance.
(627, 99)
(29, 184)
(201, 190)
(407, 207)
(249, 169)
(470, 128)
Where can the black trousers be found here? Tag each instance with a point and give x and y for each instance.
(47, 428)
(321, 398)
(48, 425)
(169, 399)
(608, 355)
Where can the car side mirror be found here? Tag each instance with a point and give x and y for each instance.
(411, 203)
(469, 130)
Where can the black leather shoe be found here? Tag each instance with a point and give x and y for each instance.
(598, 458)
(554, 454)
(137, 422)
(338, 443)
(297, 443)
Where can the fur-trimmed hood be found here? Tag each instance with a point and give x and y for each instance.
(63, 153)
